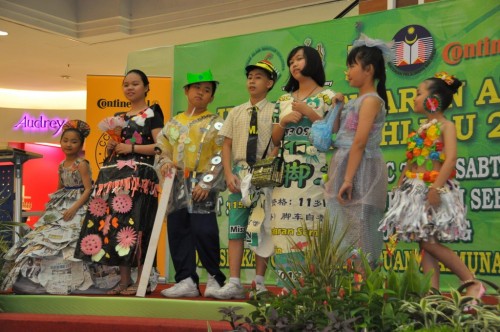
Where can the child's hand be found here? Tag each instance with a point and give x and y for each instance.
(345, 193)
(111, 145)
(433, 197)
(233, 183)
(338, 98)
(301, 107)
(199, 194)
(69, 214)
(292, 117)
(166, 169)
(122, 148)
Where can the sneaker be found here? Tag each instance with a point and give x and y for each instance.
(212, 287)
(230, 291)
(184, 288)
(259, 289)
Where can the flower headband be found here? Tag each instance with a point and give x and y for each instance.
(386, 48)
(79, 125)
(447, 78)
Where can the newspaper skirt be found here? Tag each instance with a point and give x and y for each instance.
(45, 254)
(413, 219)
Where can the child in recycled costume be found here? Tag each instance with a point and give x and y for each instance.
(191, 144)
(427, 208)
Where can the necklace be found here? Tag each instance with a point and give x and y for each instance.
(310, 93)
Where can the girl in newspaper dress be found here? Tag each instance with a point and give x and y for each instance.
(300, 199)
(45, 255)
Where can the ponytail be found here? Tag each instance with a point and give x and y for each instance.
(381, 89)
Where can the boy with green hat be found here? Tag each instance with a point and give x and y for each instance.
(190, 142)
(247, 132)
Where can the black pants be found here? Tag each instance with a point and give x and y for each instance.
(191, 232)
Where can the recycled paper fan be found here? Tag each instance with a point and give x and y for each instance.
(113, 126)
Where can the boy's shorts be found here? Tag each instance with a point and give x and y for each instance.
(238, 217)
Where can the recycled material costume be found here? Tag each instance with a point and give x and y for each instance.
(193, 145)
(300, 199)
(361, 215)
(45, 254)
(118, 224)
(411, 217)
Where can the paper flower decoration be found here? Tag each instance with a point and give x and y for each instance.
(136, 138)
(141, 117)
(122, 203)
(126, 237)
(98, 207)
(91, 244)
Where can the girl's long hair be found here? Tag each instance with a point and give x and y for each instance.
(366, 56)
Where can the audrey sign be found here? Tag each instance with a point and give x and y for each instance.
(41, 124)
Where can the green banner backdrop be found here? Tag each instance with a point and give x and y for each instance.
(459, 36)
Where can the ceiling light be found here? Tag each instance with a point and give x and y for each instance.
(3, 33)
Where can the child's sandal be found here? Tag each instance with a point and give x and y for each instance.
(132, 290)
(117, 289)
(480, 293)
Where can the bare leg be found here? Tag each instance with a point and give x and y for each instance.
(454, 263)
(124, 282)
(429, 263)
(235, 248)
(260, 265)
(125, 277)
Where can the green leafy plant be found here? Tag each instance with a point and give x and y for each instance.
(327, 293)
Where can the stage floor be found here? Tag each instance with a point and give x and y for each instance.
(54, 313)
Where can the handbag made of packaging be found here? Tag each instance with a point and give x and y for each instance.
(321, 131)
(268, 172)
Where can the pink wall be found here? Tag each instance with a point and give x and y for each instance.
(40, 176)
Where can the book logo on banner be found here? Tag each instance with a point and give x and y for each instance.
(414, 49)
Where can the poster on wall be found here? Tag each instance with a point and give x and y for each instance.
(105, 98)
(458, 37)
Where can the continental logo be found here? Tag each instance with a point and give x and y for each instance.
(455, 52)
(104, 103)
(414, 49)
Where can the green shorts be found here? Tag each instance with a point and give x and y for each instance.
(238, 217)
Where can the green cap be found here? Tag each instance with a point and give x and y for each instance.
(206, 76)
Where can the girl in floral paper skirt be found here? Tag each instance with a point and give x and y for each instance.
(118, 224)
